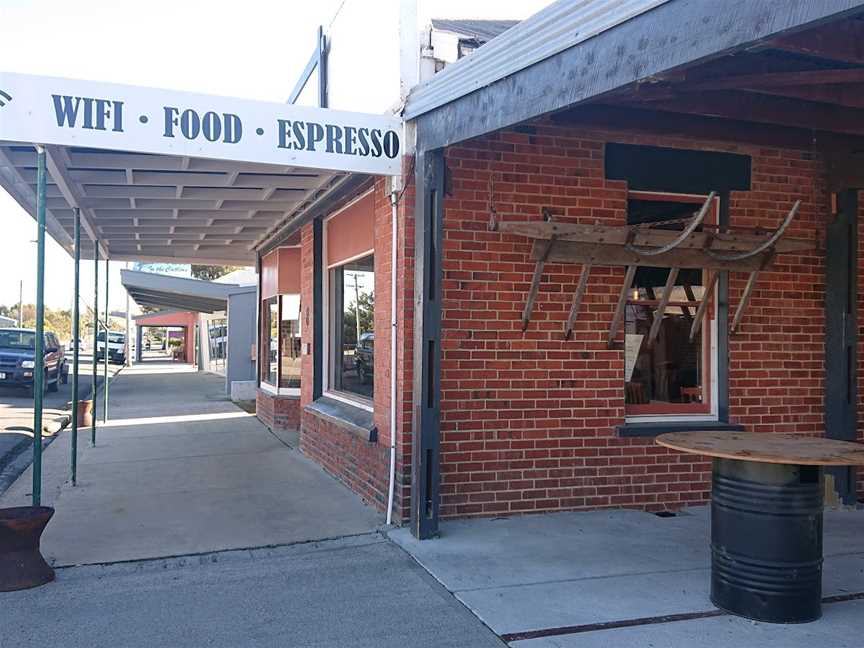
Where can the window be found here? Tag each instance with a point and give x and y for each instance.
(351, 322)
(289, 342)
(217, 334)
(672, 376)
(270, 339)
(281, 328)
(17, 340)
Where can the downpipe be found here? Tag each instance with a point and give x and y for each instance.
(394, 204)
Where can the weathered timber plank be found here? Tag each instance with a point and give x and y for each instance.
(734, 241)
(612, 255)
(577, 300)
(619, 307)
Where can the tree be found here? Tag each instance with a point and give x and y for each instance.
(211, 272)
(367, 318)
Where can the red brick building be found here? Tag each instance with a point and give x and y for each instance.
(491, 408)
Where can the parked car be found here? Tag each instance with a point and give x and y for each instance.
(18, 359)
(116, 347)
(364, 357)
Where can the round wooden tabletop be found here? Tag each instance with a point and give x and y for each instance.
(766, 447)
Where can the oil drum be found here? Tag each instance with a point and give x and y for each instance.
(766, 540)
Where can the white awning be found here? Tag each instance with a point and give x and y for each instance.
(174, 176)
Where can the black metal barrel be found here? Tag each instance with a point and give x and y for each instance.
(766, 540)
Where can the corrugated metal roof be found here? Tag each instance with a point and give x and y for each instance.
(480, 30)
(558, 27)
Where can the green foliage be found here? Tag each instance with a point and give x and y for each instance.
(60, 321)
(211, 272)
(367, 318)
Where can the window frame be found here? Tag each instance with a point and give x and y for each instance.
(264, 353)
(349, 398)
(708, 409)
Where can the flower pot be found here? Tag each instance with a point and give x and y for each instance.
(21, 564)
(85, 413)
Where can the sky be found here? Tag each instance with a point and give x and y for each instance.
(255, 49)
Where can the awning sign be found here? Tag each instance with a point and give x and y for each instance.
(67, 112)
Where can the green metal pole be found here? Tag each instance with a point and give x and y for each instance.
(75, 341)
(39, 356)
(107, 330)
(95, 337)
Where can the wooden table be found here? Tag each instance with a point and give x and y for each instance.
(766, 519)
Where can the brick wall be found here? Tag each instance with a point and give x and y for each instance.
(528, 418)
(277, 412)
(363, 466)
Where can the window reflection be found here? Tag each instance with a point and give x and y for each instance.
(352, 305)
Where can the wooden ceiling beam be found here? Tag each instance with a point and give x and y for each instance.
(764, 109)
(848, 96)
(642, 120)
(840, 41)
(826, 86)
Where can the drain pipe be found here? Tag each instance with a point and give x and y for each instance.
(394, 204)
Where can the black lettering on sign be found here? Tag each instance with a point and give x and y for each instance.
(333, 138)
(89, 113)
(214, 127)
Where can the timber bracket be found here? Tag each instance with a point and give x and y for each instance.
(697, 245)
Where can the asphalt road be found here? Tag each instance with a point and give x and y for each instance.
(357, 592)
(16, 411)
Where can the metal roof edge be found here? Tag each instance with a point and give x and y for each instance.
(558, 27)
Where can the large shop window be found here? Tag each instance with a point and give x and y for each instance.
(281, 327)
(673, 376)
(352, 338)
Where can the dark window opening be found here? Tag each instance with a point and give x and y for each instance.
(672, 375)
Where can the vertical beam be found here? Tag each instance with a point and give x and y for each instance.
(428, 273)
(76, 336)
(39, 355)
(107, 340)
(259, 334)
(317, 308)
(723, 322)
(322, 68)
(841, 333)
(95, 338)
(139, 342)
(127, 354)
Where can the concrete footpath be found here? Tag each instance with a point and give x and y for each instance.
(197, 526)
(180, 470)
(625, 579)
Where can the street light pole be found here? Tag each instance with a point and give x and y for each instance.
(356, 306)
